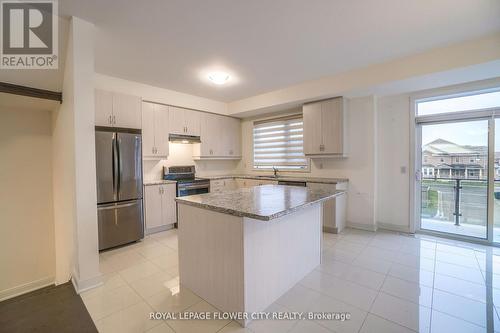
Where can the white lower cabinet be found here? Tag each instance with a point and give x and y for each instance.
(160, 207)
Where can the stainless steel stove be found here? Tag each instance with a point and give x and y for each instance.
(187, 183)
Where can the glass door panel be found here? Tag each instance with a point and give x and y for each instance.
(454, 185)
(496, 192)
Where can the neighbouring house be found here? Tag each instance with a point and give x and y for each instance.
(445, 159)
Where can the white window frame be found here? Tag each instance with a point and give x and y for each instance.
(472, 88)
(307, 167)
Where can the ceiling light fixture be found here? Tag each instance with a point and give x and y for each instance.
(218, 77)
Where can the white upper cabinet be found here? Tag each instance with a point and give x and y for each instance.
(312, 128)
(184, 121)
(192, 120)
(161, 126)
(220, 138)
(155, 118)
(117, 110)
(103, 108)
(234, 139)
(176, 121)
(126, 111)
(210, 130)
(324, 128)
(148, 129)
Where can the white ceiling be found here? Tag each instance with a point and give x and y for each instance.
(268, 45)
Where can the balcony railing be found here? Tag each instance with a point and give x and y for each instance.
(456, 200)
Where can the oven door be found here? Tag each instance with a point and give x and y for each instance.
(192, 189)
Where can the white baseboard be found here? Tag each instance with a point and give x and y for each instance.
(84, 285)
(394, 227)
(361, 226)
(26, 288)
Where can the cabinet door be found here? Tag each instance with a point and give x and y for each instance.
(103, 108)
(312, 128)
(236, 137)
(126, 111)
(234, 141)
(153, 206)
(168, 205)
(208, 134)
(192, 120)
(148, 129)
(332, 126)
(161, 130)
(176, 121)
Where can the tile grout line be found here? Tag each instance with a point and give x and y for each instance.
(129, 284)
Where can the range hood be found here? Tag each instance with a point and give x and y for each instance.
(179, 138)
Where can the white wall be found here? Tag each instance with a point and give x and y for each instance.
(182, 154)
(63, 172)
(393, 155)
(75, 196)
(158, 95)
(27, 224)
(359, 167)
(436, 67)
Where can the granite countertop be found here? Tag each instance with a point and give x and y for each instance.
(158, 182)
(319, 180)
(264, 202)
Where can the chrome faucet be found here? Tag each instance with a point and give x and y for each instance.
(275, 171)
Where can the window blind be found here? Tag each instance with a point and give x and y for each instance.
(279, 143)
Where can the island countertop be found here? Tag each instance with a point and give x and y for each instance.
(266, 202)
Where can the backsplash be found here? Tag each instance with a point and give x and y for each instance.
(182, 154)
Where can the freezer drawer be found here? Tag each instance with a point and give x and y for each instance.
(120, 223)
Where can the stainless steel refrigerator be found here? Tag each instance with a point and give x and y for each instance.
(119, 186)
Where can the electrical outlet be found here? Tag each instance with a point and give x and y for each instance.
(403, 169)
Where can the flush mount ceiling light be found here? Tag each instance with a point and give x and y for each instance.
(218, 77)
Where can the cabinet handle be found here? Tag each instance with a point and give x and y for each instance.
(114, 120)
(159, 190)
(321, 147)
(109, 120)
(152, 150)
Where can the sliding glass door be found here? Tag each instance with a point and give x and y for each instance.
(457, 164)
(454, 182)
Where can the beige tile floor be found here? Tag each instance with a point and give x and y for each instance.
(388, 282)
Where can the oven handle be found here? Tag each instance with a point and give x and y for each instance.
(193, 187)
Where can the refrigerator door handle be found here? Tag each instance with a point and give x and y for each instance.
(115, 167)
(118, 168)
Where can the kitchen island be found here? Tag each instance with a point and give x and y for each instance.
(242, 249)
